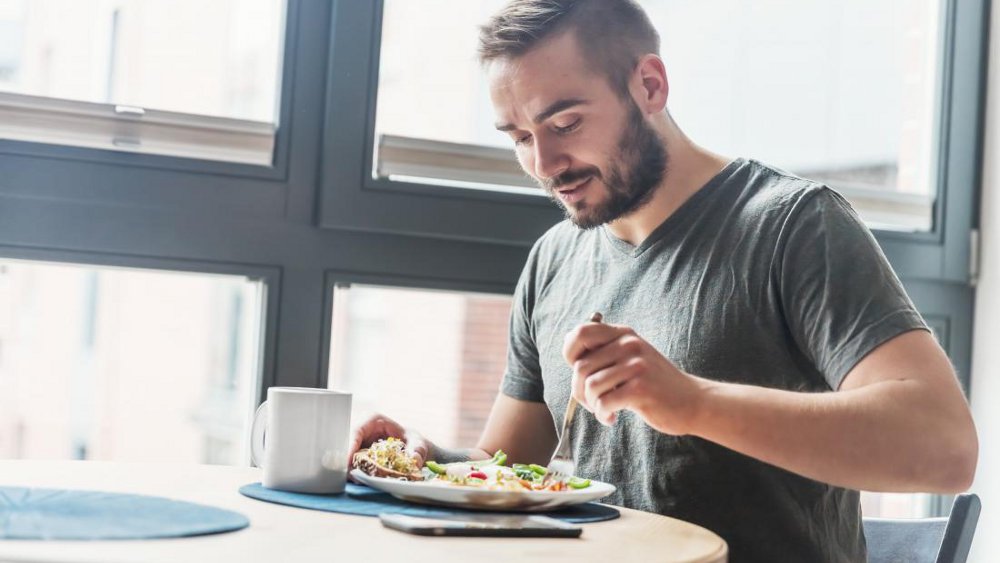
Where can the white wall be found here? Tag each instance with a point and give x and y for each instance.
(986, 353)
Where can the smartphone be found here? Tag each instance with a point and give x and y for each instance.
(495, 525)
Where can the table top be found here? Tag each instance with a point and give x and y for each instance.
(284, 533)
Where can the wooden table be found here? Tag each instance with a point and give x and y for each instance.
(290, 535)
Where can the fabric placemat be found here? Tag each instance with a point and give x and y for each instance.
(366, 501)
(65, 514)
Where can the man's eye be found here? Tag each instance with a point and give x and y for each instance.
(522, 140)
(567, 129)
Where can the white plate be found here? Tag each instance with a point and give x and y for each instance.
(429, 492)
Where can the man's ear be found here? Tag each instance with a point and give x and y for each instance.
(649, 84)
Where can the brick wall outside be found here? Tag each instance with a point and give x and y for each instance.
(484, 356)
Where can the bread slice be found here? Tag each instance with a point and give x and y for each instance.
(365, 463)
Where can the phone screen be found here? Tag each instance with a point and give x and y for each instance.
(483, 525)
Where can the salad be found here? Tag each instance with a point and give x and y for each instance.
(388, 458)
(493, 474)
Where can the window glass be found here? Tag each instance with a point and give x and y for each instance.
(428, 359)
(126, 365)
(896, 505)
(844, 92)
(218, 58)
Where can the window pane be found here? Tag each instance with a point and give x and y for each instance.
(839, 91)
(126, 365)
(218, 58)
(896, 505)
(853, 105)
(429, 359)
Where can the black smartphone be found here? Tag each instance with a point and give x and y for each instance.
(496, 525)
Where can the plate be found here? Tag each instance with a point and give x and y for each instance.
(428, 492)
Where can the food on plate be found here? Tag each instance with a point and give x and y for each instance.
(388, 458)
(492, 474)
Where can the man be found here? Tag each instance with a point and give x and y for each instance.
(759, 361)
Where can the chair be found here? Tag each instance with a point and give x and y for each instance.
(924, 540)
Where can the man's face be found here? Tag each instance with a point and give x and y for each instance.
(592, 152)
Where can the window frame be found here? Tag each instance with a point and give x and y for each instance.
(945, 252)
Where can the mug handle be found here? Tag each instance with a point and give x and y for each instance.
(257, 431)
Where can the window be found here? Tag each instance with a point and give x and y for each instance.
(854, 105)
(126, 365)
(897, 505)
(180, 78)
(432, 360)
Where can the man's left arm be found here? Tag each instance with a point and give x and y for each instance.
(898, 422)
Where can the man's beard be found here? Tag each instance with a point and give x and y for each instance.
(634, 173)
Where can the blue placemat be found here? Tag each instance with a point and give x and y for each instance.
(62, 514)
(366, 501)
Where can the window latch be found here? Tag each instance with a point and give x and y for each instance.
(129, 111)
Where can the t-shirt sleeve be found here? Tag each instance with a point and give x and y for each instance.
(840, 295)
(522, 378)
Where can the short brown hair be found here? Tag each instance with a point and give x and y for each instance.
(614, 33)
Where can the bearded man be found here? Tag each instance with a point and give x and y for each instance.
(759, 362)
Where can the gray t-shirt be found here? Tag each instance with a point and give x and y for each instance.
(760, 278)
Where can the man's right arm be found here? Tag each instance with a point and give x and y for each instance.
(522, 429)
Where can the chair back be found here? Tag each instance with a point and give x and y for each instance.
(924, 540)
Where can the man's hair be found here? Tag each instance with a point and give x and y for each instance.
(613, 34)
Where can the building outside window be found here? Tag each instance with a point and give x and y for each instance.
(128, 365)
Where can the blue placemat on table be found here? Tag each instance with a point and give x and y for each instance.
(63, 514)
(366, 501)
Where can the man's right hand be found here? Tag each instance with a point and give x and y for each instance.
(379, 427)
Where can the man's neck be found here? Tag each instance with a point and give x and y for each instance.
(690, 167)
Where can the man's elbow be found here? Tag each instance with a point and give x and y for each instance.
(956, 462)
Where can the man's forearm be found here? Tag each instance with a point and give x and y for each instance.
(889, 436)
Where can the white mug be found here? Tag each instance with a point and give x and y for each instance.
(306, 444)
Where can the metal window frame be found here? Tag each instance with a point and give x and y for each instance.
(945, 253)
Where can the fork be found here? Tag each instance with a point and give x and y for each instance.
(562, 466)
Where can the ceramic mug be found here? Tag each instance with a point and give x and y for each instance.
(300, 437)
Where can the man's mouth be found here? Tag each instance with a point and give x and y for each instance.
(573, 194)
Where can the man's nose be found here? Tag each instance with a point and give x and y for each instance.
(550, 161)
